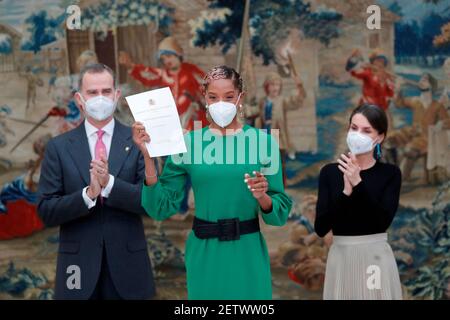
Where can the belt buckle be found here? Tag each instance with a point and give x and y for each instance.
(234, 235)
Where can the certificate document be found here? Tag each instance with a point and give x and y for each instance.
(156, 109)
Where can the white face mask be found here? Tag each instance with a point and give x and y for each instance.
(223, 112)
(359, 143)
(99, 107)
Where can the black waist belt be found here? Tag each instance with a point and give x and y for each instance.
(224, 229)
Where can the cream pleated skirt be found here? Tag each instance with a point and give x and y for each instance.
(361, 268)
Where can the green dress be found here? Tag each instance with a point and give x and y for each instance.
(238, 269)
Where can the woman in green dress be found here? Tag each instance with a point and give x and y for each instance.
(236, 176)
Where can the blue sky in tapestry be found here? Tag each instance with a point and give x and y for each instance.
(15, 12)
(418, 9)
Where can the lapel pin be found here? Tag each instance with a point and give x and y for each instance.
(127, 148)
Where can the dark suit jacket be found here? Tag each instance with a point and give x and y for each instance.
(116, 224)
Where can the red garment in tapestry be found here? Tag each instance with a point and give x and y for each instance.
(374, 91)
(20, 220)
(184, 86)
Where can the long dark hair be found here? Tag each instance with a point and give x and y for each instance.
(377, 119)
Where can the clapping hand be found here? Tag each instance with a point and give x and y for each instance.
(351, 170)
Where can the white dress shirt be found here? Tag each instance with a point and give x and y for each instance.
(91, 133)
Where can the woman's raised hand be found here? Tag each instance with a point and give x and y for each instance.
(140, 137)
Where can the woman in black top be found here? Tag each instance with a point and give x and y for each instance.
(357, 201)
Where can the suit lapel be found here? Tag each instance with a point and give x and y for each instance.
(121, 145)
(78, 149)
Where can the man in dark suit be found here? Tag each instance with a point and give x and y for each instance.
(90, 186)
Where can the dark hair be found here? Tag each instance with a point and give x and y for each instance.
(223, 72)
(95, 68)
(377, 119)
(380, 56)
